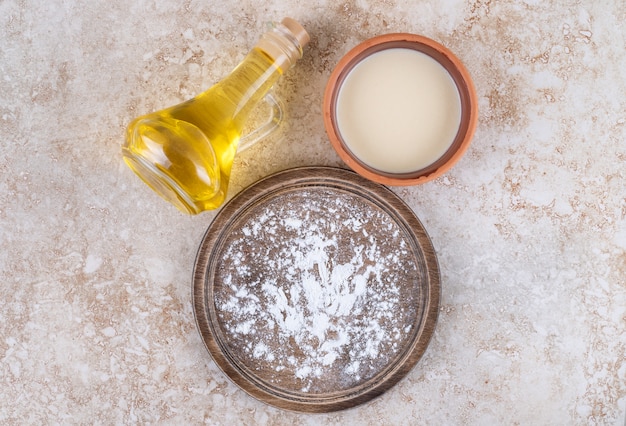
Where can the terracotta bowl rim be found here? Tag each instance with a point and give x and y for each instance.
(446, 58)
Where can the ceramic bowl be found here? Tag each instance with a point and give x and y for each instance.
(461, 78)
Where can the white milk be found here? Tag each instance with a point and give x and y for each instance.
(398, 110)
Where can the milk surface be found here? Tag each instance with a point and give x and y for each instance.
(398, 110)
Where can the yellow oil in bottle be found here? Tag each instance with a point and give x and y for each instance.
(185, 153)
(193, 144)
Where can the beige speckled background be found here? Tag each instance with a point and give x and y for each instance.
(96, 325)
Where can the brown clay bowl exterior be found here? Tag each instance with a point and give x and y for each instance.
(458, 72)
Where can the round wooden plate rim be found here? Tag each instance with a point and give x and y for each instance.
(293, 180)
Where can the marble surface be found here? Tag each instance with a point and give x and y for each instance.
(96, 323)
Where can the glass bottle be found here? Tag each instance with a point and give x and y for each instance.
(185, 152)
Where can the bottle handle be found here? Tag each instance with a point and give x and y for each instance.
(274, 121)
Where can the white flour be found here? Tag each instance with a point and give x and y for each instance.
(308, 291)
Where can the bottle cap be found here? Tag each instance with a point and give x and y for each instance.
(284, 43)
(297, 30)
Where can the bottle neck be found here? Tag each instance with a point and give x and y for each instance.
(276, 52)
(284, 43)
(248, 83)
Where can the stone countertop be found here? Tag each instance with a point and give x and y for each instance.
(96, 322)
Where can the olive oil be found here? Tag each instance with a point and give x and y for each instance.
(185, 153)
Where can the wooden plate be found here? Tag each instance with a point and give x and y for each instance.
(315, 289)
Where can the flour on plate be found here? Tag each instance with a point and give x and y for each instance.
(316, 291)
